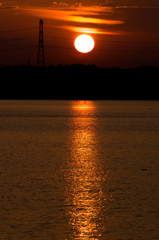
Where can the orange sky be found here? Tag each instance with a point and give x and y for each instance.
(126, 33)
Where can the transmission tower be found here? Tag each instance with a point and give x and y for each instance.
(41, 57)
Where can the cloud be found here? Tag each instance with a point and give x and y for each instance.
(89, 30)
(78, 18)
(6, 6)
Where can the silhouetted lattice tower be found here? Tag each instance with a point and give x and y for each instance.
(41, 57)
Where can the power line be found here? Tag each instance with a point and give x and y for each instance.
(54, 46)
(65, 47)
(16, 39)
(17, 48)
(18, 29)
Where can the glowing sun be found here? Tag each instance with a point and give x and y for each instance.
(84, 43)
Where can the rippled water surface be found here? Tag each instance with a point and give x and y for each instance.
(79, 170)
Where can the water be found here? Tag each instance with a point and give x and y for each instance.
(79, 170)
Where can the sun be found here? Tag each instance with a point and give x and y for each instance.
(84, 43)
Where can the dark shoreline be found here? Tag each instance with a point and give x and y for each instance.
(69, 82)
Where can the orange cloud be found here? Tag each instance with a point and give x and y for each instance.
(78, 15)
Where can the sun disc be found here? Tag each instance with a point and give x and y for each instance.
(84, 43)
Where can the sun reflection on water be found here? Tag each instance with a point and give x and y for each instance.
(84, 105)
(84, 176)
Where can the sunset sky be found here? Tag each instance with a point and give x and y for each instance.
(126, 32)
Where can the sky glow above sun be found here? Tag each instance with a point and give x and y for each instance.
(84, 43)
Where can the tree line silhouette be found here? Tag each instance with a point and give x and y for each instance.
(78, 82)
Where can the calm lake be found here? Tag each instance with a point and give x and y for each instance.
(79, 170)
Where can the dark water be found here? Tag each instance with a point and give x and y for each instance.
(85, 170)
